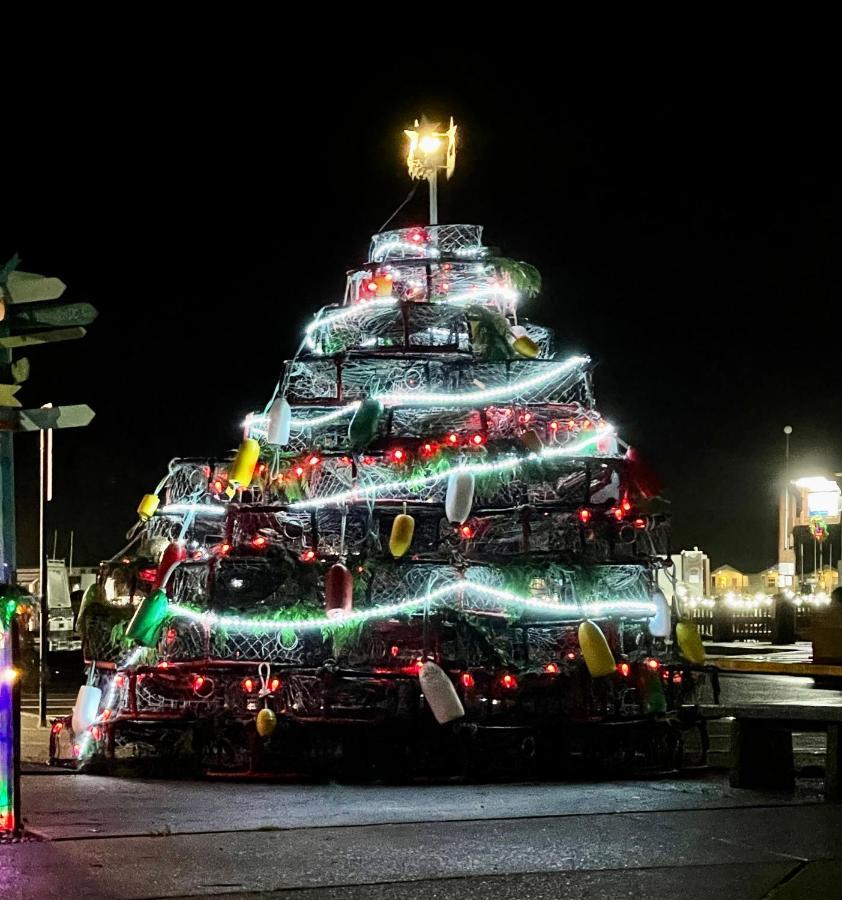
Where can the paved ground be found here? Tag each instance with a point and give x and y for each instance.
(683, 838)
(654, 838)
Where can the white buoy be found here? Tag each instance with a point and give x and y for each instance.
(460, 497)
(439, 692)
(660, 624)
(86, 708)
(280, 419)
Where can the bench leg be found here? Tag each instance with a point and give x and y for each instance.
(762, 756)
(833, 764)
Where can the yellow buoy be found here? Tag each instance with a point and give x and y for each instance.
(267, 722)
(147, 506)
(242, 469)
(525, 346)
(401, 538)
(595, 650)
(690, 643)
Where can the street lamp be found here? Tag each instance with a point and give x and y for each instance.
(430, 150)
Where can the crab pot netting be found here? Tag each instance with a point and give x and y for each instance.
(328, 381)
(557, 424)
(433, 281)
(267, 593)
(431, 242)
(416, 328)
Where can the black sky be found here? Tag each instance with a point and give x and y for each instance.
(687, 228)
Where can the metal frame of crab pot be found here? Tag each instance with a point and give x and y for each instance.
(377, 724)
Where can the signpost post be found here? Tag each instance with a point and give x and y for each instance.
(31, 313)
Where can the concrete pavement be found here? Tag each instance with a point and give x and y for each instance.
(662, 838)
(651, 838)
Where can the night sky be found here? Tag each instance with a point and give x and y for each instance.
(688, 236)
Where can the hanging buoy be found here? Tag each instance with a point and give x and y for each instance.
(147, 506)
(459, 499)
(266, 723)
(650, 691)
(146, 623)
(661, 623)
(403, 527)
(242, 469)
(595, 650)
(86, 708)
(364, 423)
(532, 441)
(339, 591)
(174, 554)
(525, 346)
(690, 643)
(439, 692)
(280, 421)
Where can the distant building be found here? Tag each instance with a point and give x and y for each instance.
(765, 582)
(727, 578)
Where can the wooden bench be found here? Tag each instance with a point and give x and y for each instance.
(762, 749)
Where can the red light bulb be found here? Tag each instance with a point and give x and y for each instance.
(453, 439)
(554, 425)
(308, 555)
(624, 669)
(299, 471)
(478, 439)
(467, 531)
(467, 680)
(314, 460)
(274, 684)
(259, 542)
(248, 685)
(640, 523)
(653, 664)
(508, 681)
(585, 515)
(551, 668)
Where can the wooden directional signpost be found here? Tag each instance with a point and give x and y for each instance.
(32, 312)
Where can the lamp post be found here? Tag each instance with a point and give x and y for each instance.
(787, 535)
(431, 149)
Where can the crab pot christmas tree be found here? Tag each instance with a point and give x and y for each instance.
(430, 488)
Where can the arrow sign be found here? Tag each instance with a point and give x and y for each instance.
(16, 341)
(39, 317)
(7, 395)
(26, 287)
(41, 419)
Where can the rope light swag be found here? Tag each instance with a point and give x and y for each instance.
(573, 611)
